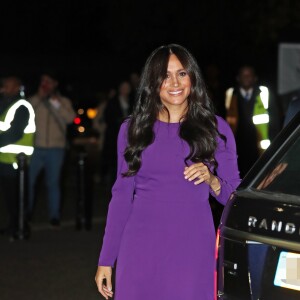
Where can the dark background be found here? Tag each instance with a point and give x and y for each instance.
(95, 44)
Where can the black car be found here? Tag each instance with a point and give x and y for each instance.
(258, 247)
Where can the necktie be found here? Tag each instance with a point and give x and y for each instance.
(247, 96)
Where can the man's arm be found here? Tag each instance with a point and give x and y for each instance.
(62, 107)
(16, 130)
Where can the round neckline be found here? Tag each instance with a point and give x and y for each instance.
(168, 123)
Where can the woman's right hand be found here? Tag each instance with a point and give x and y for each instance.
(104, 273)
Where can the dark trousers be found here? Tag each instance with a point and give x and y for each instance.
(50, 159)
(9, 193)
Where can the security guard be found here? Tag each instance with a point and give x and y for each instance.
(17, 127)
(249, 118)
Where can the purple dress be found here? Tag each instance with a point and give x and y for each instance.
(160, 227)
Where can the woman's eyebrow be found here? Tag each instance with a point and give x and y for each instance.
(179, 70)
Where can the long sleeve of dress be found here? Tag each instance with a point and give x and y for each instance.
(119, 208)
(226, 157)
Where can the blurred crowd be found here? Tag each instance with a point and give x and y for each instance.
(39, 126)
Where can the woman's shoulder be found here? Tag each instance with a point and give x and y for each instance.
(225, 130)
(123, 131)
(223, 126)
(125, 124)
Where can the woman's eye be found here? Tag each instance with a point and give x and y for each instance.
(182, 74)
(167, 75)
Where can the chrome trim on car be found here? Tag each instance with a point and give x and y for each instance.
(242, 236)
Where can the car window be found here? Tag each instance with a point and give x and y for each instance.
(283, 174)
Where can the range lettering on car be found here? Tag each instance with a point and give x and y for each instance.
(274, 225)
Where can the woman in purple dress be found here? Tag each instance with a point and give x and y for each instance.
(172, 153)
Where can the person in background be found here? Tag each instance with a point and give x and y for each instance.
(253, 116)
(116, 110)
(134, 79)
(112, 93)
(99, 127)
(293, 108)
(215, 89)
(17, 128)
(53, 113)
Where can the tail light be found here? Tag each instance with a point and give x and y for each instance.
(216, 265)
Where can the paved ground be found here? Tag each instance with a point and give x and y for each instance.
(58, 264)
(54, 264)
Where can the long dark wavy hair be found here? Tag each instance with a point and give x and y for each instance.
(198, 126)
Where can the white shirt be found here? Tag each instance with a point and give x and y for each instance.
(246, 94)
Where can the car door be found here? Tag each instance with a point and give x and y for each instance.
(259, 234)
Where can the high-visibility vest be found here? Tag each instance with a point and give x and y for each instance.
(260, 116)
(8, 153)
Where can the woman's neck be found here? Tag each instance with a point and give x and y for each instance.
(174, 115)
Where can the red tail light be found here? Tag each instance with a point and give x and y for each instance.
(216, 266)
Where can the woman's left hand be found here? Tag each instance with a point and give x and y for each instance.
(198, 172)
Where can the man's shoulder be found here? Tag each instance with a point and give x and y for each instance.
(65, 99)
(21, 112)
(33, 99)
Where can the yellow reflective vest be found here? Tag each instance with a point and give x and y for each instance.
(260, 115)
(8, 153)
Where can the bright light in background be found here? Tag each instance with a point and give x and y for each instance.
(80, 111)
(77, 121)
(264, 96)
(228, 97)
(91, 113)
(81, 129)
(264, 144)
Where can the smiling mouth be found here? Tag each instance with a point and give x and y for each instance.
(175, 93)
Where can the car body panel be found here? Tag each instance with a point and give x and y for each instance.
(260, 226)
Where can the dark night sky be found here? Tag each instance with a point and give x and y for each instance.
(94, 44)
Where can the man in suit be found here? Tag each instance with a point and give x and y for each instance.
(253, 117)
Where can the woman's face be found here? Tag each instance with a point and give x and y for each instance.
(176, 88)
